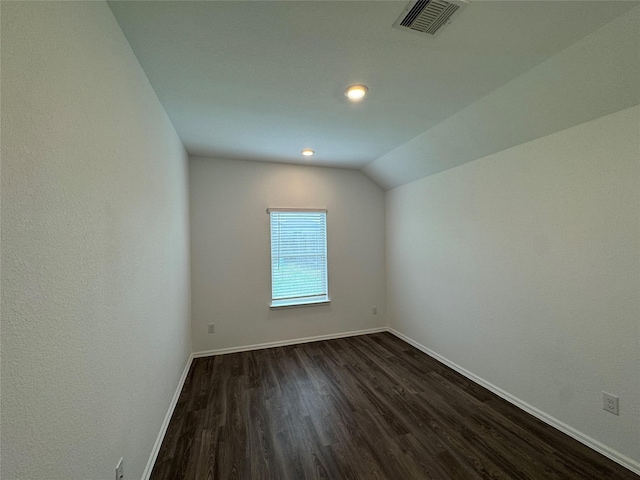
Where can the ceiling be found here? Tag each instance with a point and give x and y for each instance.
(261, 80)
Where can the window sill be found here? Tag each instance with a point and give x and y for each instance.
(301, 302)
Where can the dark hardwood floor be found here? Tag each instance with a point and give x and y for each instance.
(367, 407)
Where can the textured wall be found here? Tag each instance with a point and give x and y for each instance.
(95, 270)
(231, 283)
(523, 267)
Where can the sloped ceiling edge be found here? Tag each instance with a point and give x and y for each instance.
(596, 76)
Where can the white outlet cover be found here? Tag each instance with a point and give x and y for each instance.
(610, 403)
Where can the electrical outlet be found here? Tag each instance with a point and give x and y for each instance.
(374, 310)
(120, 470)
(610, 403)
(212, 328)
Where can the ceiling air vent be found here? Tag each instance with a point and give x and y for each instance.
(427, 16)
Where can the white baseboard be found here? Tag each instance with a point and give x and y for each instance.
(282, 343)
(592, 443)
(165, 424)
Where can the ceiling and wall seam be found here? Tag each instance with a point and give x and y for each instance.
(582, 82)
(262, 80)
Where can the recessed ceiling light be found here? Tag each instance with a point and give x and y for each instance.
(356, 92)
(307, 152)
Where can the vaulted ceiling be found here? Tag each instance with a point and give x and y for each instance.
(261, 80)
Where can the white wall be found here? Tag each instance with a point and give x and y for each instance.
(523, 267)
(231, 284)
(95, 277)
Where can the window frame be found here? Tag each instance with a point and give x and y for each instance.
(307, 301)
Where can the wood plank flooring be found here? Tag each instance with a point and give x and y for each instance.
(367, 407)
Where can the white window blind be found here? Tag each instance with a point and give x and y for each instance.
(298, 257)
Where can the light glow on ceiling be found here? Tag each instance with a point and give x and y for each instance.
(355, 93)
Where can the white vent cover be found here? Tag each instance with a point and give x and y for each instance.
(427, 16)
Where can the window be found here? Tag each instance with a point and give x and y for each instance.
(298, 257)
